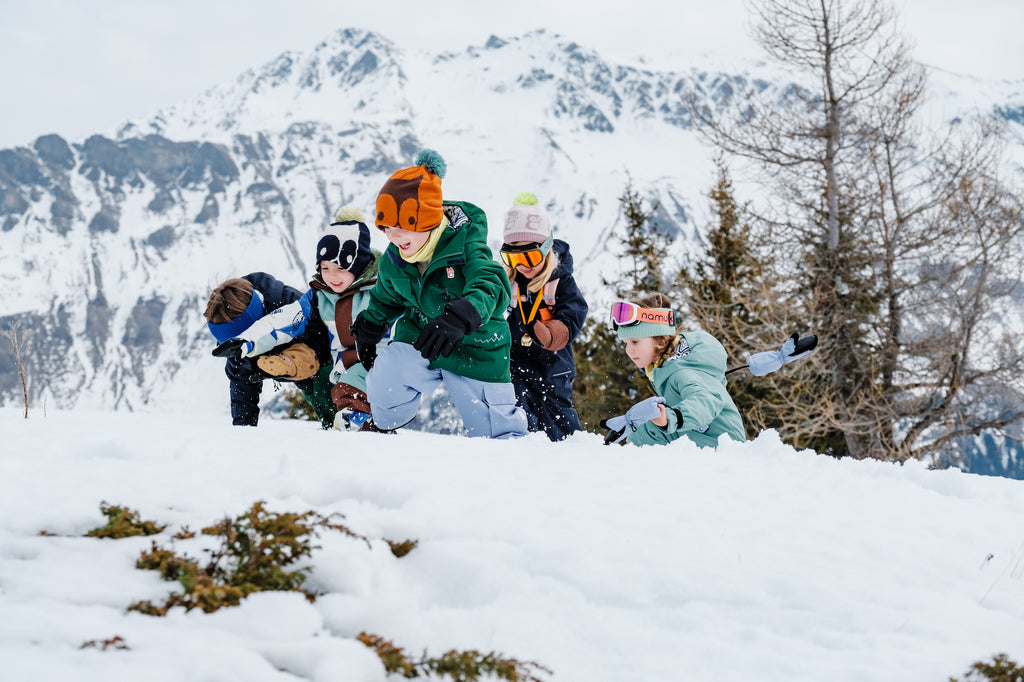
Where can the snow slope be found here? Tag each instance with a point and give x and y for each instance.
(604, 564)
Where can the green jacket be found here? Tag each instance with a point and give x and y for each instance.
(693, 382)
(462, 266)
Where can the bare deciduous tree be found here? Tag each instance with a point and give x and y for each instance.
(901, 247)
(19, 344)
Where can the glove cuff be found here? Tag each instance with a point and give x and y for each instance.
(674, 415)
(761, 364)
(461, 313)
(369, 328)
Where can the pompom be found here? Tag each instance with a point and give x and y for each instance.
(526, 198)
(433, 162)
(349, 213)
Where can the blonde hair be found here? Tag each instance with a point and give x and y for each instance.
(228, 301)
(542, 277)
(665, 344)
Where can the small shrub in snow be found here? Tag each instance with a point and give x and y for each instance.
(255, 552)
(461, 666)
(1001, 669)
(115, 642)
(400, 549)
(123, 523)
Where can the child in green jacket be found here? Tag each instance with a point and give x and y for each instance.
(687, 371)
(439, 279)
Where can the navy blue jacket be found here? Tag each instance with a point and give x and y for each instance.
(542, 378)
(246, 379)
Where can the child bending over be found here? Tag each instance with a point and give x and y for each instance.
(440, 280)
(687, 370)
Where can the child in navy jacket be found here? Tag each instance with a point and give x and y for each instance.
(232, 308)
(546, 314)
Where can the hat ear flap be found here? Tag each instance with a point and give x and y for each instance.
(408, 214)
(327, 249)
(347, 254)
(387, 211)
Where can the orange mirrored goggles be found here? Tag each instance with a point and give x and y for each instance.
(625, 314)
(528, 259)
(528, 255)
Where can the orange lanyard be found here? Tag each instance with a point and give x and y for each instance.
(533, 312)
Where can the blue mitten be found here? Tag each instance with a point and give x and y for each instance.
(767, 362)
(643, 411)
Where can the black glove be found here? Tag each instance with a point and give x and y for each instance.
(440, 335)
(368, 335)
(231, 349)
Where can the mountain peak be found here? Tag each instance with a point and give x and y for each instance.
(322, 84)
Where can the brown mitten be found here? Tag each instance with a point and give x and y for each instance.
(552, 335)
(297, 362)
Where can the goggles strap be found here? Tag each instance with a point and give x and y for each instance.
(545, 247)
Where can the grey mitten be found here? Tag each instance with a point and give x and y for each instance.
(767, 362)
(643, 411)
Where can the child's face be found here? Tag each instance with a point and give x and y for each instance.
(407, 241)
(528, 273)
(335, 276)
(640, 351)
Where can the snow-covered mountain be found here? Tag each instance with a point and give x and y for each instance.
(109, 245)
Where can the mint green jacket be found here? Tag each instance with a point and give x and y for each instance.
(462, 267)
(693, 382)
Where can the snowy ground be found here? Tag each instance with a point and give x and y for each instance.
(604, 564)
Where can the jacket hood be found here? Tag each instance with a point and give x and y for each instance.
(564, 259)
(697, 350)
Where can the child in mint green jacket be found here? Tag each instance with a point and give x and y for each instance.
(687, 371)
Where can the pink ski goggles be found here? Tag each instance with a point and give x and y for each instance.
(625, 314)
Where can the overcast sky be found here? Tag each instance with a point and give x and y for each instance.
(76, 67)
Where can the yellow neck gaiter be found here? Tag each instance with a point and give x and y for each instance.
(426, 251)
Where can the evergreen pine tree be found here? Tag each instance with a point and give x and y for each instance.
(734, 296)
(723, 294)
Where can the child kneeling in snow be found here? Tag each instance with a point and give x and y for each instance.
(687, 371)
(440, 278)
(346, 270)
